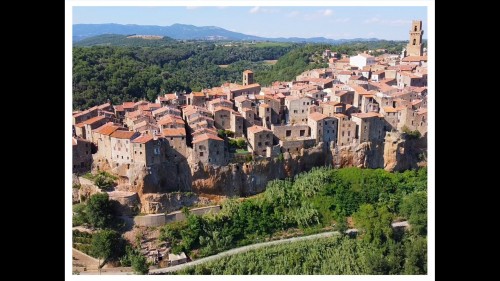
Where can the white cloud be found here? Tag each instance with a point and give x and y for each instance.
(293, 14)
(260, 10)
(254, 10)
(327, 12)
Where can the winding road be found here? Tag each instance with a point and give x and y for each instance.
(241, 250)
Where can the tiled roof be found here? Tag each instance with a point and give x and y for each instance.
(93, 120)
(256, 129)
(316, 116)
(174, 132)
(205, 137)
(143, 139)
(120, 134)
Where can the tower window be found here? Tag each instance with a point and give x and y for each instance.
(415, 28)
(414, 41)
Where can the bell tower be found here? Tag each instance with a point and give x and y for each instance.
(415, 47)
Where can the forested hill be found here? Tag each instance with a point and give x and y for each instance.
(126, 40)
(127, 73)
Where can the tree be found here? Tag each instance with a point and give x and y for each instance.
(99, 211)
(414, 207)
(139, 264)
(375, 222)
(106, 244)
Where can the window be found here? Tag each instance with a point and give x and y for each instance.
(295, 111)
(415, 41)
(327, 131)
(140, 152)
(343, 133)
(288, 133)
(348, 133)
(302, 111)
(217, 153)
(302, 132)
(259, 143)
(122, 156)
(201, 154)
(267, 135)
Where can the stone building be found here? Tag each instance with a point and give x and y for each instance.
(102, 136)
(82, 156)
(346, 129)
(148, 150)
(259, 140)
(369, 126)
(297, 109)
(176, 139)
(222, 117)
(323, 128)
(121, 146)
(209, 149)
(237, 123)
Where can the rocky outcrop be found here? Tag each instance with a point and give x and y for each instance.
(154, 203)
(155, 184)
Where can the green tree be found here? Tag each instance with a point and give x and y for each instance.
(99, 211)
(106, 244)
(374, 222)
(139, 264)
(414, 207)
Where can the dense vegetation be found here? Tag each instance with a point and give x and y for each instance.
(317, 200)
(126, 73)
(333, 255)
(122, 40)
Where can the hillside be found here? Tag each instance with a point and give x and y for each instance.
(125, 40)
(189, 32)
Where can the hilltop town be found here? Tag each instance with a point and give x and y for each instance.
(355, 100)
(196, 149)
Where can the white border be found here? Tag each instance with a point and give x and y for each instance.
(431, 127)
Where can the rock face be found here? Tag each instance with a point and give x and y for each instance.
(155, 185)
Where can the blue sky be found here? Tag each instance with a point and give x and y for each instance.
(392, 23)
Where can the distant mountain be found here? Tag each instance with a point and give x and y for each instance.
(187, 32)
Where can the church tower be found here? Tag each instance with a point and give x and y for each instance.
(247, 77)
(415, 47)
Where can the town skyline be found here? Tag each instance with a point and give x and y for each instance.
(387, 23)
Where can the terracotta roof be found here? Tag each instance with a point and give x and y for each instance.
(174, 132)
(198, 94)
(85, 111)
(106, 129)
(141, 102)
(241, 98)
(93, 120)
(247, 71)
(167, 119)
(80, 125)
(170, 96)
(120, 134)
(340, 115)
(118, 108)
(222, 108)
(389, 109)
(344, 72)
(316, 116)
(280, 95)
(143, 139)
(104, 105)
(415, 102)
(256, 129)
(128, 104)
(264, 105)
(236, 87)
(205, 137)
(415, 58)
